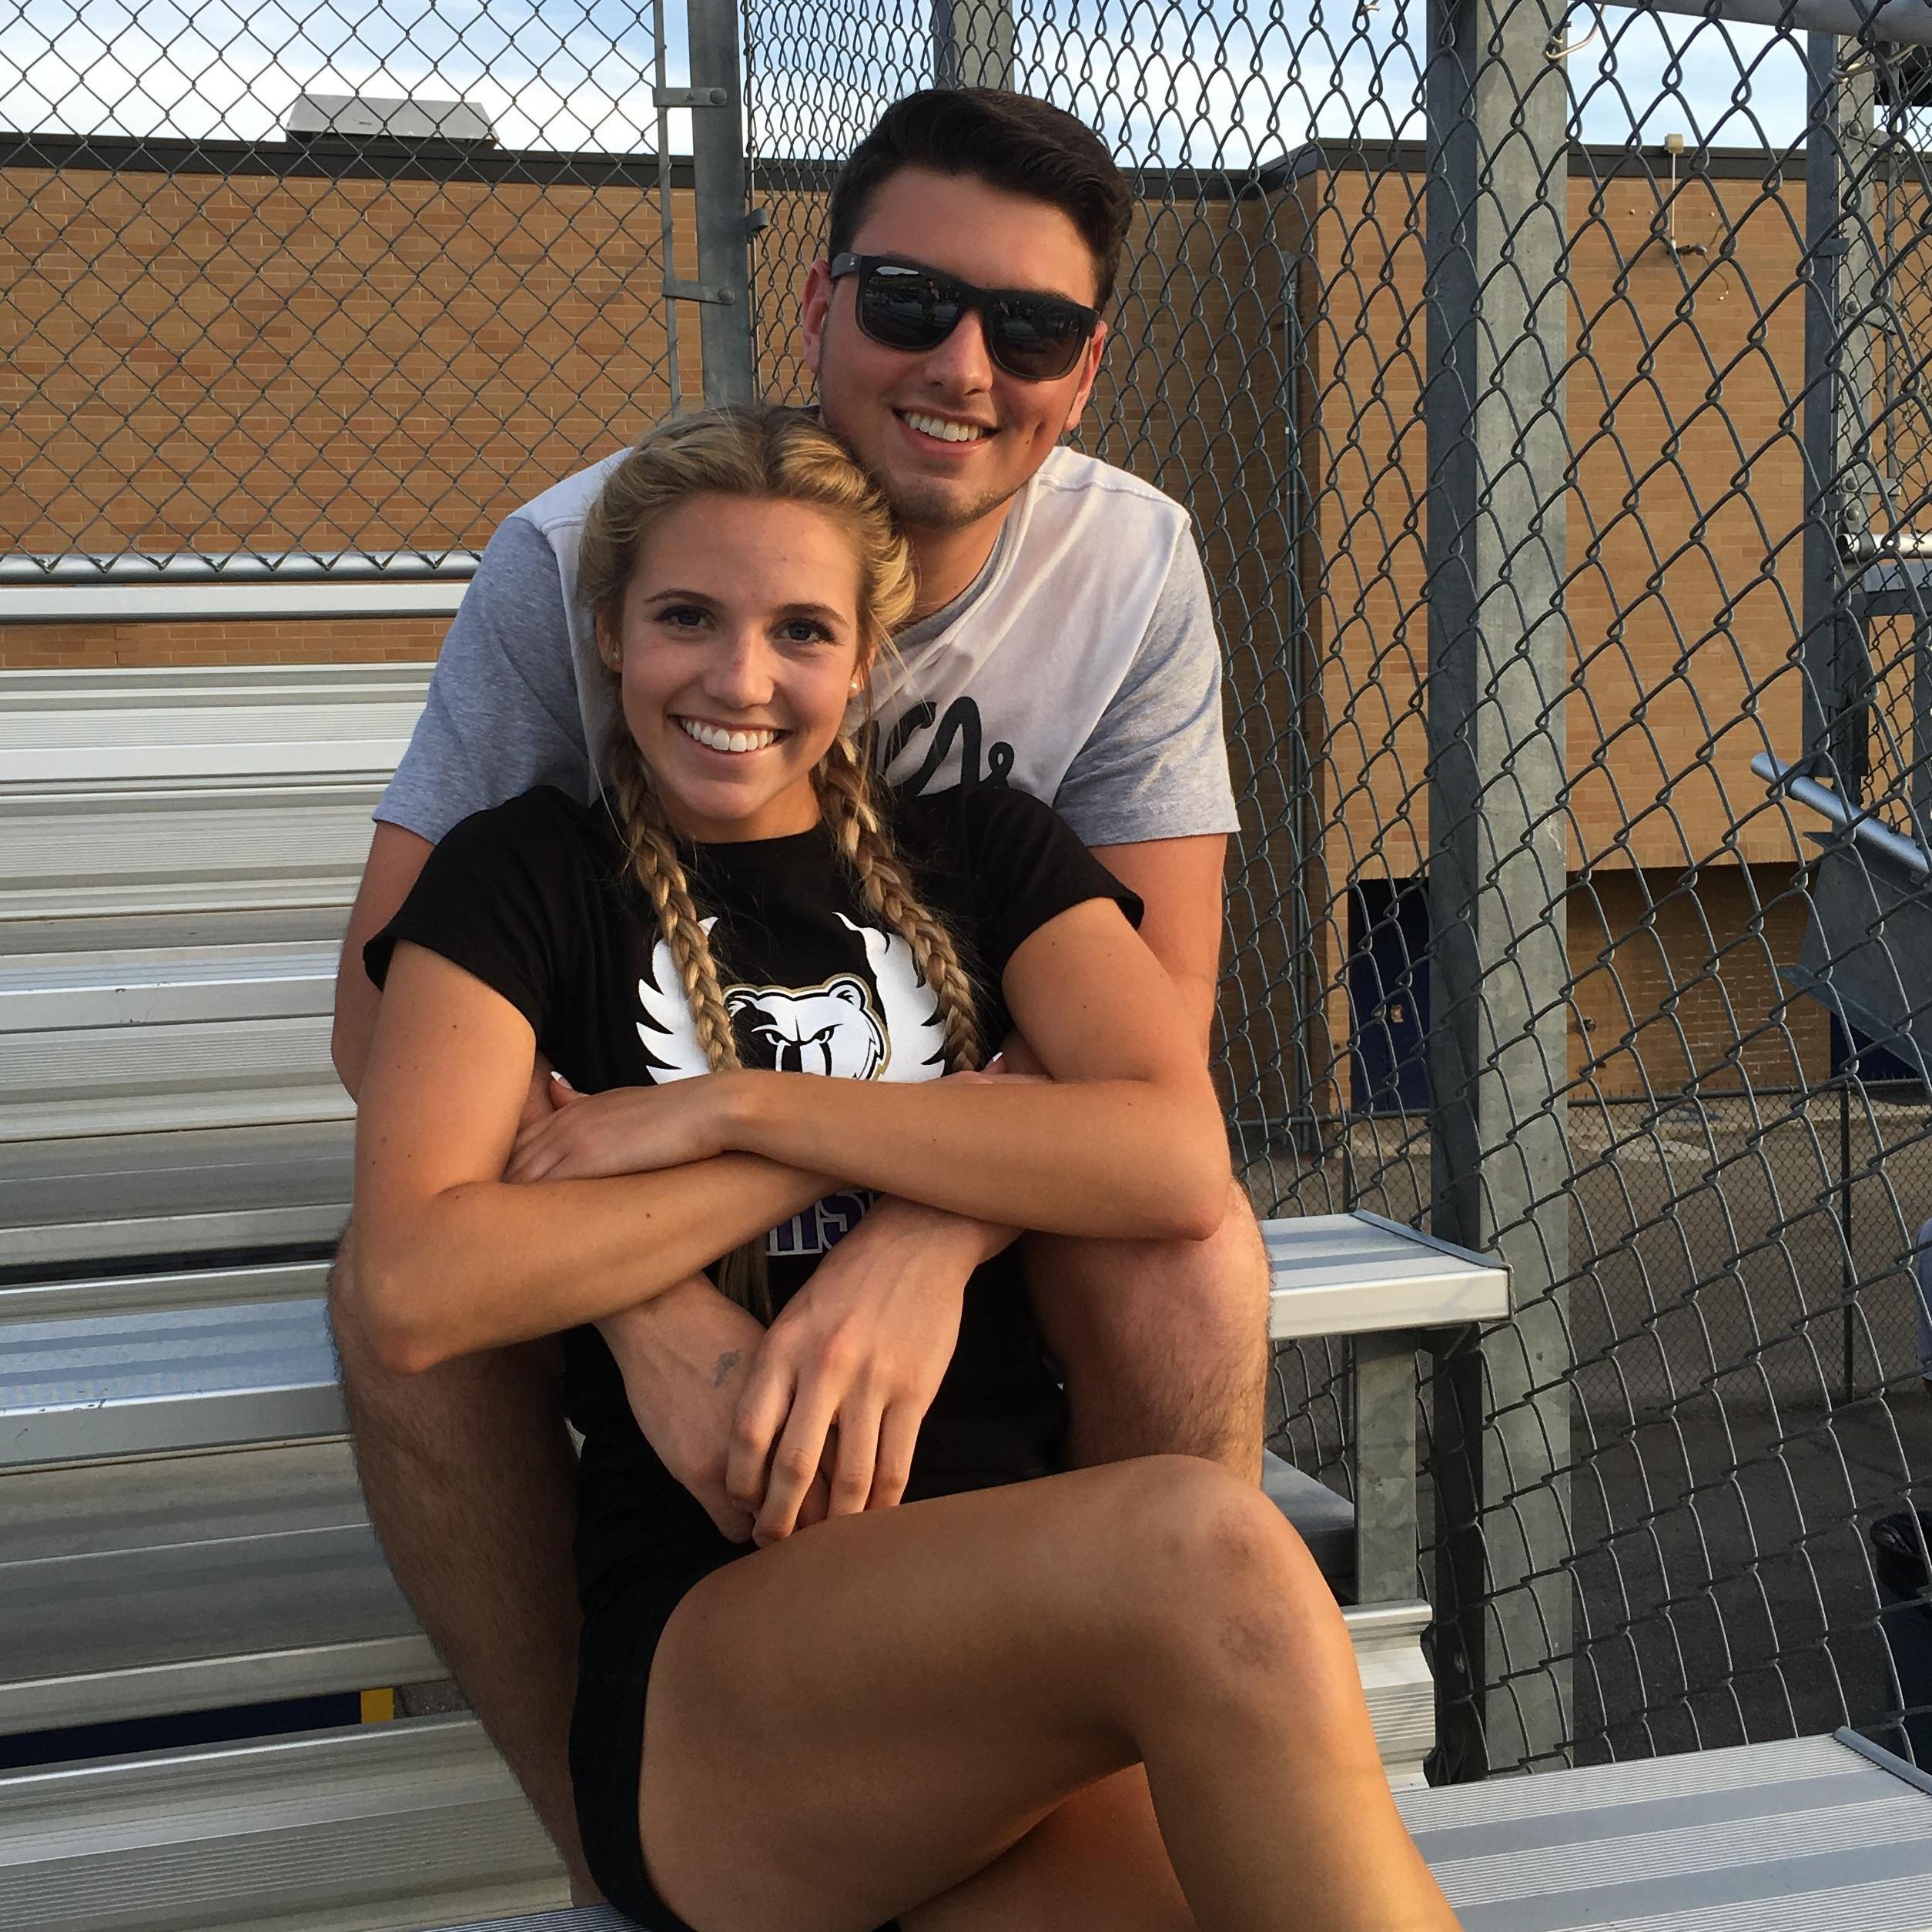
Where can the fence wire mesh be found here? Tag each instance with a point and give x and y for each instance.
(323, 278)
(1713, 1394)
(1548, 386)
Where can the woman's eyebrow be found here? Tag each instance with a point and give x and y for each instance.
(690, 597)
(824, 612)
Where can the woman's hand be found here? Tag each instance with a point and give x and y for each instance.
(850, 1365)
(685, 1356)
(628, 1131)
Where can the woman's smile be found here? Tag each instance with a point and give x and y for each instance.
(734, 740)
(739, 648)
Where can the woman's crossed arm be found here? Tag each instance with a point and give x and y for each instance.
(1124, 1141)
(451, 1257)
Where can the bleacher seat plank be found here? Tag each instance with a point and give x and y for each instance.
(582, 1918)
(83, 1297)
(1358, 1274)
(1815, 1835)
(121, 1197)
(193, 1583)
(283, 721)
(170, 1379)
(391, 1827)
(172, 855)
(138, 986)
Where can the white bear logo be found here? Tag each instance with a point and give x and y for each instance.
(825, 1029)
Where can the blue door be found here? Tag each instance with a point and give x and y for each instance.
(1389, 996)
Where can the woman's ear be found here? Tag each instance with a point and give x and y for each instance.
(609, 651)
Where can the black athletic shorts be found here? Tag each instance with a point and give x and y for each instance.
(620, 1637)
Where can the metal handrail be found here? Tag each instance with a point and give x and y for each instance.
(1872, 834)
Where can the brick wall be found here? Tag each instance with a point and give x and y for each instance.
(58, 647)
(263, 361)
(1682, 523)
(1675, 981)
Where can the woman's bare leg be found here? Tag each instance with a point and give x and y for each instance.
(860, 1719)
(1094, 1864)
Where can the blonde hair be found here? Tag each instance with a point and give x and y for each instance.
(781, 456)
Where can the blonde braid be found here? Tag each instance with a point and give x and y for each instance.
(652, 849)
(845, 798)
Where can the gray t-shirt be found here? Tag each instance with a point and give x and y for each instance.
(1081, 665)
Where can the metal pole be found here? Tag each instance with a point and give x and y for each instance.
(1498, 128)
(1849, 1278)
(1840, 279)
(1309, 1046)
(723, 292)
(973, 43)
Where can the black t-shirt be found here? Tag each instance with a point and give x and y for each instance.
(534, 898)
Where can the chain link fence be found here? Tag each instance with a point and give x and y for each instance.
(1548, 386)
(1561, 467)
(324, 280)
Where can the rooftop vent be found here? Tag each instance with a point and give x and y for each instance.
(358, 117)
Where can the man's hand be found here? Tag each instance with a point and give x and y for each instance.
(685, 1354)
(850, 1367)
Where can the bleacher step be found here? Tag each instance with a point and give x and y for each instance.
(85, 1202)
(182, 1378)
(397, 1827)
(195, 1582)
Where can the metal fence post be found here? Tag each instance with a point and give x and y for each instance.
(973, 43)
(1498, 116)
(719, 190)
(1839, 278)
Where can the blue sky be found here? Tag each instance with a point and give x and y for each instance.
(1223, 83)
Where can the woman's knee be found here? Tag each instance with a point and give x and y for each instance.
(1225, 1585)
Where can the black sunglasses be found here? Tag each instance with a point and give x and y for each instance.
(1037, 337)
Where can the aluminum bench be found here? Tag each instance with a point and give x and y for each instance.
(181, 1531)
(188, 1589)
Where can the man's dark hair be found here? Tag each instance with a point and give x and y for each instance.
(1009, 140)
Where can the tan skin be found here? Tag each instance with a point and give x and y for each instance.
(941, 1711)
(1162, 1344)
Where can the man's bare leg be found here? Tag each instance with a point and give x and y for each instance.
(1163, 1344)
(470, 1478)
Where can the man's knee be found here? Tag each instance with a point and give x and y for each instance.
(499, 1394)
(1163, 1344)
(1200, 1298)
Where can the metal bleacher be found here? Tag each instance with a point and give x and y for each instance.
(180, 1529)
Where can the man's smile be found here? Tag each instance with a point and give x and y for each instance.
(943, 429)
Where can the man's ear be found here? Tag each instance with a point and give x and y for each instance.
(1090, 373)
(814, 304)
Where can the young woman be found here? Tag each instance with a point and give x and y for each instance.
(1120, 1697)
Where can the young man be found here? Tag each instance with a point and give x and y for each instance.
(1064, 643)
